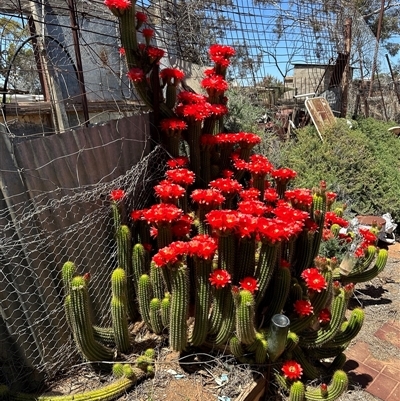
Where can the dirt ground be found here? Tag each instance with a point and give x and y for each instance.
(206, 377)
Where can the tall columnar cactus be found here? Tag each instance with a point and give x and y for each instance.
(119, 310)
(155, 315)
(77, 308)
(67, 273)
(145, 295)
(140, 263)
(179, 308)
(245, 329)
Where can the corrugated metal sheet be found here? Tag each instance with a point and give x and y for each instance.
(46, 220)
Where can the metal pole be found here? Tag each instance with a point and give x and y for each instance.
(396, 88)
(346, 73)
(75, 29)
(378, 37)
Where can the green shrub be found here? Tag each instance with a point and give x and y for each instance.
(360, 164)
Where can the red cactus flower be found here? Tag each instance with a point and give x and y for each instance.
(117, 194)
(220, 278)
(186, 97)
(181, 176)
(218, 110)
(142, 17)
(170, 254)
(250, 194)
(227, 139)
(171, 75)
(148, 33)
(303, 307)
(162, 213)
(324, 316)
(117, 4)
(207, 140)
(247, 227)
(196, 111)
(202, 246)
(178, 162)
(283, 174)
(208, 197)
(259, 165)
(330, 197)
(172, 127)
(315, 281)
(182, 227)
(292, 370)
(221, 54)
(249, 284)
(121, 51)
(299, 198)
(223, 221)
(136, 74)
(136, 215)
(248, 139)
(333, 218)
(270, 195)
(214, 85)
(168, 192)
(227, 186)
(155, 54)
(253, 207)
(272, 230)
(368, 236)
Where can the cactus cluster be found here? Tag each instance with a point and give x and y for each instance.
(236, 248)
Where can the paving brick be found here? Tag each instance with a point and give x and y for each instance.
(382, 386)
(375, 364)
(395, 396)
(392, 371)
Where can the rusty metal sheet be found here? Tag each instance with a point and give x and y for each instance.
(321, 113)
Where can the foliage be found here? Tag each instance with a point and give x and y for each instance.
(361, 164)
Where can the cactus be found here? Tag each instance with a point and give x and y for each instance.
(324, 334)
(309, 370)
(236, 347)
(297, 391)
(67, 273)
(333, 391)
(202, 301)
(155, 315)
(77, 306)
(119, 310)
(145, 294)
(245, 317)
(104, 335)
(179, 308)
(368, 274)
(157, 281)
(165, 310)
(140, 263)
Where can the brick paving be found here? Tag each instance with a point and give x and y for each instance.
(379, 378)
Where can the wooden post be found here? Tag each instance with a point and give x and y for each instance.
(346, 72)
(396, 86)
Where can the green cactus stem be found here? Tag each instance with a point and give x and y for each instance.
(368, 274)
(226, 253)
(170, 100)
(245, 262)
(325, 334)
(333, 391)
(164, 235)
(303, 254)
(296, 291)
(124, 248)
(297, 391)
(281, 285)
(245, 329)
(116, 216)
(104, 335)
(202, 301)
(67, 273)
(205, 157)
(219, 296)
(165, 310)
(291, 342)
(193, 139)
(155, 315)
(309, 370)
(179, 308)
(228, 319)
(338, 362)
(302, 323)
(261, 352)
(78, 311)
(145, 294)
(140, 263)
(361, 264)
(326, 351)
(157, 281)
(119, 310)
(265, 268)
(126, 378)
(236, 347)
(352, 328)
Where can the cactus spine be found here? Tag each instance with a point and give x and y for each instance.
(140, 263)
(297, 391)
(179, 308)
(353, 327)
(67, 273)
(118, 310)
(165, 309)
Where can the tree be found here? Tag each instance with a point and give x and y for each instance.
(21, 67)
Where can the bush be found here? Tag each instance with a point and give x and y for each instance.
(361, 165)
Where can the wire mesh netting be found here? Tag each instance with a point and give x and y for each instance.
(61, 69)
